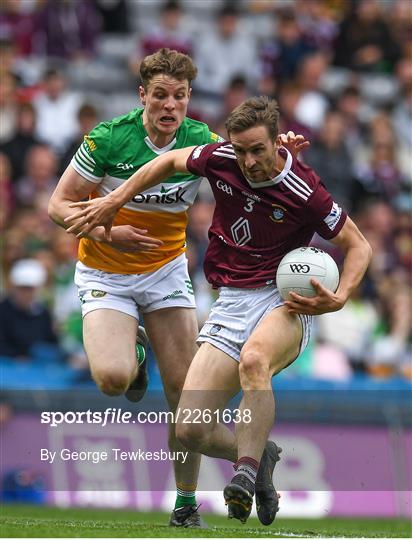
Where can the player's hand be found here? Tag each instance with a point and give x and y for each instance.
(325, 301)
(131, 239)
(91, 214)
(294, 143)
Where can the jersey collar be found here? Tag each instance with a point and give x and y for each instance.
(158, 150)
(146, 138)
(276, 179)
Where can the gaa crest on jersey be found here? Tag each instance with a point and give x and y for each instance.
(278, 213)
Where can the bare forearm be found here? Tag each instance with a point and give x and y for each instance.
(358, 254)
(355, 265)
(147, 176)
(59, 210)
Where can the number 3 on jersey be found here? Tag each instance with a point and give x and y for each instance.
(249, 205)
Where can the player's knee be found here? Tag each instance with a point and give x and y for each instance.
(113, 382)
(253, 368)
(193, 436)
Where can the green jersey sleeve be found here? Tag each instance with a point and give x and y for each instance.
(91, 158)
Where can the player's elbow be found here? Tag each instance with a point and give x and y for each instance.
(52, 209)
(351, 238)
(366, 248)
(368, 251)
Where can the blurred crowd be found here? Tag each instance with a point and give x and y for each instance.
(341, 71)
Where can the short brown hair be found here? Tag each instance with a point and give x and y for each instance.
(255, 111)
(167, 62)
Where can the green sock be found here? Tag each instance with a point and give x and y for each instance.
(184, 497)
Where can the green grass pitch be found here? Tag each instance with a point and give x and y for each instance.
(34, 521)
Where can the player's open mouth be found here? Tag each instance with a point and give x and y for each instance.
(168, 119)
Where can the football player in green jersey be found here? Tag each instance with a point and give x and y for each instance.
(143, 263)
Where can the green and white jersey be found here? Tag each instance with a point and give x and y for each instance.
(108, 156)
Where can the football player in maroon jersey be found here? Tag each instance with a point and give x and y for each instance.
(267, 203)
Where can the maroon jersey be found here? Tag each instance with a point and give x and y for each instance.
(255, 224)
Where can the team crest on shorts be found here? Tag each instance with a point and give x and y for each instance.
(98, 294)
(278, 213)
(216, 328)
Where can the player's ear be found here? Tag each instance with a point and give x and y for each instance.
(189, 94)
(142, 95)
(277, 143)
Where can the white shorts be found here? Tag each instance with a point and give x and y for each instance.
(237, 312)
(169, 286)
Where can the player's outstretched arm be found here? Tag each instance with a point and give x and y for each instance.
(358, 254)
(71, 189)
(102, 211)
